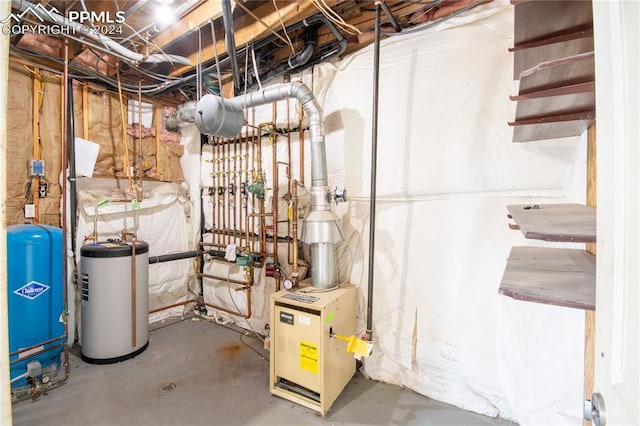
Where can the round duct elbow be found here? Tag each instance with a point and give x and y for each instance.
(215, 116)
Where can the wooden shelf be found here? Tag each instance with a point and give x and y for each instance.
(555, 222)
(561, 277)
(552, 127)
(554, 61)
(566, 71)
(556, 99)
(546, 30)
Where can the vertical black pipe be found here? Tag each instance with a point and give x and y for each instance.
(374, 161)
(204, 139)
(71, 137)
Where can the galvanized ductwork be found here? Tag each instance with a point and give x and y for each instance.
(224, 117)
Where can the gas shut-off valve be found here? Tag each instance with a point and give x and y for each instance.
(339, 195)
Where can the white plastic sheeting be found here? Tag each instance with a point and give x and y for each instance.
(446, 170)
(162, 221)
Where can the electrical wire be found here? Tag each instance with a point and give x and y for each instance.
(93, 27)
(255, 66)
(253, 15)
(246, 69)
(149, 42)
(437, 2)
(215, 53)
(424, 12)
(90, 74)
(439, 21)
(239, 330)
(330, 14)
(252, 348)
(286, 34)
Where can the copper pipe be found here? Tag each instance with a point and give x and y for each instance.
(227, 180)
(232, 281)
(235, 182)
(294, 229)
(246, 315)
(275, 197)
(46, 342)
(288, 174)
(133, 294)
(225, 210)
(229, 311)
(253, 196)
(212, 142)
(211, 244)
(246, 226)
(139, 193)
(216, 206)
(253, 126)
(301, 144)
(175, 305)
(238, 188)
(261, 222)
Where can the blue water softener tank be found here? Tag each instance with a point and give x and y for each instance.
(115, 305)
(36, 327)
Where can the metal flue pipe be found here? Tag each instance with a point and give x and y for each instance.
(225, 117)
(230, 41)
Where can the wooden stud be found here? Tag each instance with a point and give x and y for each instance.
(590, 316)
(37, 88)
(85, 111)
(159, 122)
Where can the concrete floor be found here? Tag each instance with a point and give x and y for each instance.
(196, 372)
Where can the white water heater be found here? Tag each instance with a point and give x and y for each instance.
(307, 365)
(115, 301)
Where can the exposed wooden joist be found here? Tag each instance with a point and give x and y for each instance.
(247, 29)
(197, 18)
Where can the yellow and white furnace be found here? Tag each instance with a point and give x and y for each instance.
(307, 365)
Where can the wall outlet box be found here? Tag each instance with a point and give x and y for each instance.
(36, 167)
(29, 211)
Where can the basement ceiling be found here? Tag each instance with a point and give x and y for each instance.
(157, 46)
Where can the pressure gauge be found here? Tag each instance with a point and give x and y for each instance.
(45, 379)
(287, 283)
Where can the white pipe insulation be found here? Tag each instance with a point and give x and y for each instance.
(214, 115)
(111, 47)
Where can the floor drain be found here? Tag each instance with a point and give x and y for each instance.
(168, 387)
